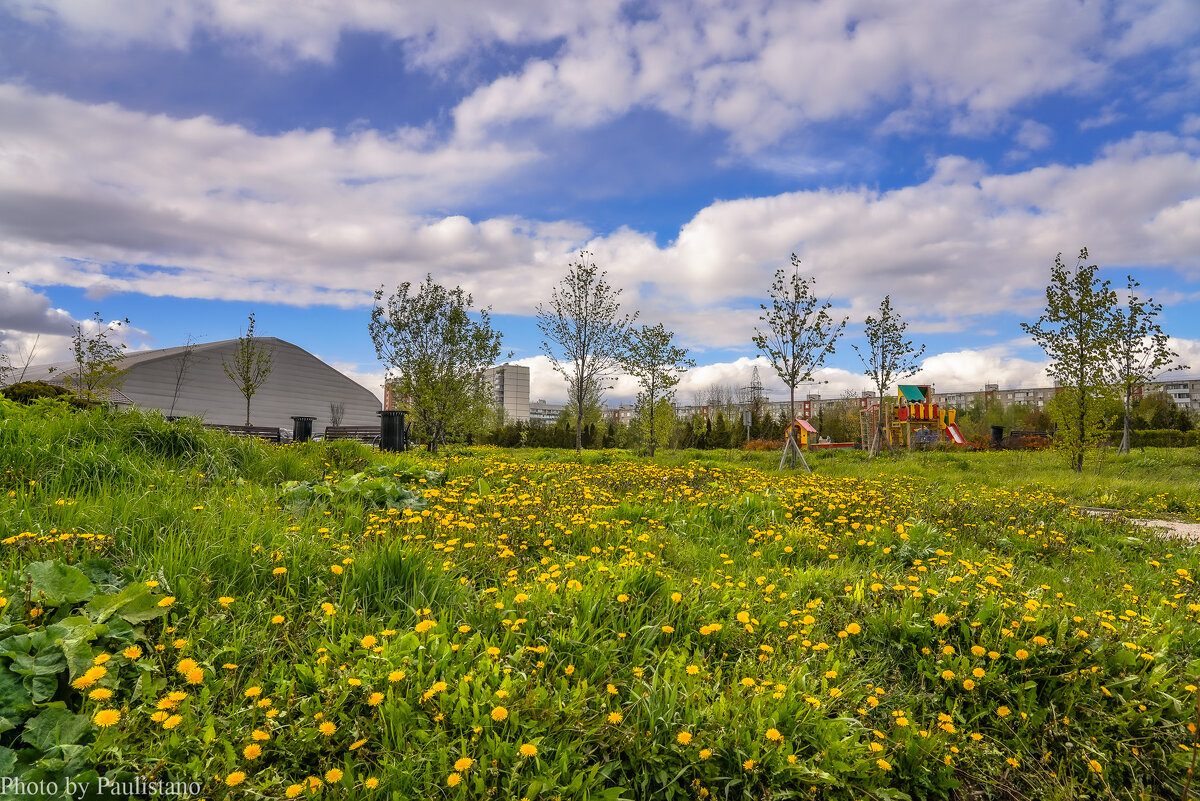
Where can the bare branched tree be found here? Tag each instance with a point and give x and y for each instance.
(584, 333)
(800, 333)
(250, 366)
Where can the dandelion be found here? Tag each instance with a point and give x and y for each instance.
(371, 783)
(252, 752)
(464, 764)
(100, 694)
(259, 735)
(369, 641)
(1003, 712)
(195, 676)
(968, 684)
(614, 717)
(692, 670)
(1021, 653)
(685, 737)
(252, 692)
(375, 699)
(357, 744)
(279, 571)
(327, 728)
(705, 753)
(172, 721)
(293, 790)
(853, 628)
(940, 619)
(277, 619)
(499, 714)
(883, 764)
(185, 666)
(947, 675)
(749, 764)
(106, 717)
(453, 780)
(1095, 766)
(425, 625)
(529, 750)
(235, 778)
(333, 775)
(132, 652)
(395, 676)
(774, 736)
(225, 601)
(329, 609)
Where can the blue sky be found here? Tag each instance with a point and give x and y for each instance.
(185, 164)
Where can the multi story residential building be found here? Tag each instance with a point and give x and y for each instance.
(511, 385)
(543, 413)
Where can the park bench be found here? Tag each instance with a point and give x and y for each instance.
(368, 435)
(262, 432)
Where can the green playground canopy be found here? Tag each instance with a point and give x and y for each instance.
(912, 393)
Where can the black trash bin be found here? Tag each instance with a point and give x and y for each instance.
(392, 431)
(302, 429)
(997, 436)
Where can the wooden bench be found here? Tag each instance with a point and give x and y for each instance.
(262, 432)
(368, 435)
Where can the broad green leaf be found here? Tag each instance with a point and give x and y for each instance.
(56, 726)
(56, 584)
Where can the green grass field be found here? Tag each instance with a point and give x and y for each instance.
(325, 621)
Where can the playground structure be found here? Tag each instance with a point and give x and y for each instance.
(809, 439)
(913, 420)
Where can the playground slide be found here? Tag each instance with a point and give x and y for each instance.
(956, 434)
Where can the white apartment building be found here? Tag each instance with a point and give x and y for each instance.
(511, 385)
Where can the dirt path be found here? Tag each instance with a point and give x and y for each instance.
(1172, 529)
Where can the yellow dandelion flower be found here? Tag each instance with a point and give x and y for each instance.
(499, 714)
(327, 728)
(252, 751)
(235, 778)
(684, 738)
(614, 717)
(528, 750)
(464, 764)
(333, 775)
(453, 780)
(106, 717)
(132, 652)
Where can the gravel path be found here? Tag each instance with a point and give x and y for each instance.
(1173, 528)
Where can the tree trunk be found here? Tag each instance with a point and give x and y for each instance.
(1125, 434)
(793, 446)
(247, 410)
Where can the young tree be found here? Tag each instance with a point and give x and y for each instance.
(181, 370)
(889, 356)
(800, 333)
(1078, 332)
(1141, 350)
(250, 366)
(436, 355)
(584, 333)
(97, 359)
(657, 364)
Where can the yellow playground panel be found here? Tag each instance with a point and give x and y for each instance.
(914, 419)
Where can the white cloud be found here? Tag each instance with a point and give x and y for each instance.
(1034, 135)
(197, 208)
(756, 69)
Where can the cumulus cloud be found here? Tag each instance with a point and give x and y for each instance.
(756, 69)
(198, 208)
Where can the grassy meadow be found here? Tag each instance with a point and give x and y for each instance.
(324, 621)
